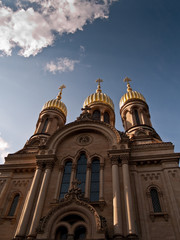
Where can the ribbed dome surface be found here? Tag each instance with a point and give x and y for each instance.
(129, 96)
(57, 104)
(98, 97)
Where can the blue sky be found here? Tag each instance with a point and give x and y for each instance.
(74, 42)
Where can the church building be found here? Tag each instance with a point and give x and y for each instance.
(86, 180)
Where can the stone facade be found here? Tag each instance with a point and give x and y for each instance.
(137, 186)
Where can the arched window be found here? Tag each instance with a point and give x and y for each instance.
(62, 233)
(81, 171)
(155, 200)
(106, 117)
(94, 190)
(96, 115)
(66, 179)
(80, 233)
(136, 117)
(14, 205)
(45, 125)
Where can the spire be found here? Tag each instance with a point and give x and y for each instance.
(60, 93)
(98, 90)
(129, 89)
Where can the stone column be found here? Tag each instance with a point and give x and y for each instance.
(73, 174)
(142, 116)
(130, 219)
(59, 182)
(23, 221)
(49, 125)
(5, 185)
(117, 212)
(101, 186)
(88, 181)
(40, 201)
(132, 117)
(38, 126)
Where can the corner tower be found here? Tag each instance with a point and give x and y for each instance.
(101, 106)
(52, 116)
(135, 115)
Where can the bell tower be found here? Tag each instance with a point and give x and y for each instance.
(135, 114)
(53, 115)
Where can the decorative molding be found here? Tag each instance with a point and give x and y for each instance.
(153, 216)
(115, 160)
(20, 183)
(84, 140)
(150, 176)
(74, 195)
(173, 173)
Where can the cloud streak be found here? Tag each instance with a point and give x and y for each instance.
(62, 65)
(32, 25)
(3, 149)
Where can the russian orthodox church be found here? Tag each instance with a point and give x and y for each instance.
(88, 180)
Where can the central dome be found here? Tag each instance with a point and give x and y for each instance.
(98, 97)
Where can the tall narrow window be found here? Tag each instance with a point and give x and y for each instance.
(81, 171)
(137, 117)
(94, 190)
(62, 233)
(106, 117)
(96, 115)
(80, 233)
(14, 205)
(45, 126)
(155, 200)
(66, 179)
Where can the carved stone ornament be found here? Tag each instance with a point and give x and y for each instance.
(85, 115)
(74, 195)
(115, 160)
(84, 140)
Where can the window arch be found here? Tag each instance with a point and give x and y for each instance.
(155, 200)
(96, 115)
(81, 171)
(66, 179)
(45, 125)
(137, 117)
(14, 204)
(95, 174)
(106, 117)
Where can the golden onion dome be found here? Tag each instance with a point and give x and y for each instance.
(56, 103)
(98, 97)
(130, 95)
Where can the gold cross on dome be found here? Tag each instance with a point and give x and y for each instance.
(99, 86)
(127, 80)
(129, 89)
(60, 93)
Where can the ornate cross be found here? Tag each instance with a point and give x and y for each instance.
(99, 86)
(85, 109)
(129, 89)
(60, 93)
(127, 80)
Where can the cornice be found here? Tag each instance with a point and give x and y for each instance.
(29, 167)
(152, 146)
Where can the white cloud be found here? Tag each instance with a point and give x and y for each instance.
(31, 26)
(62, 65)
(3, 149)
